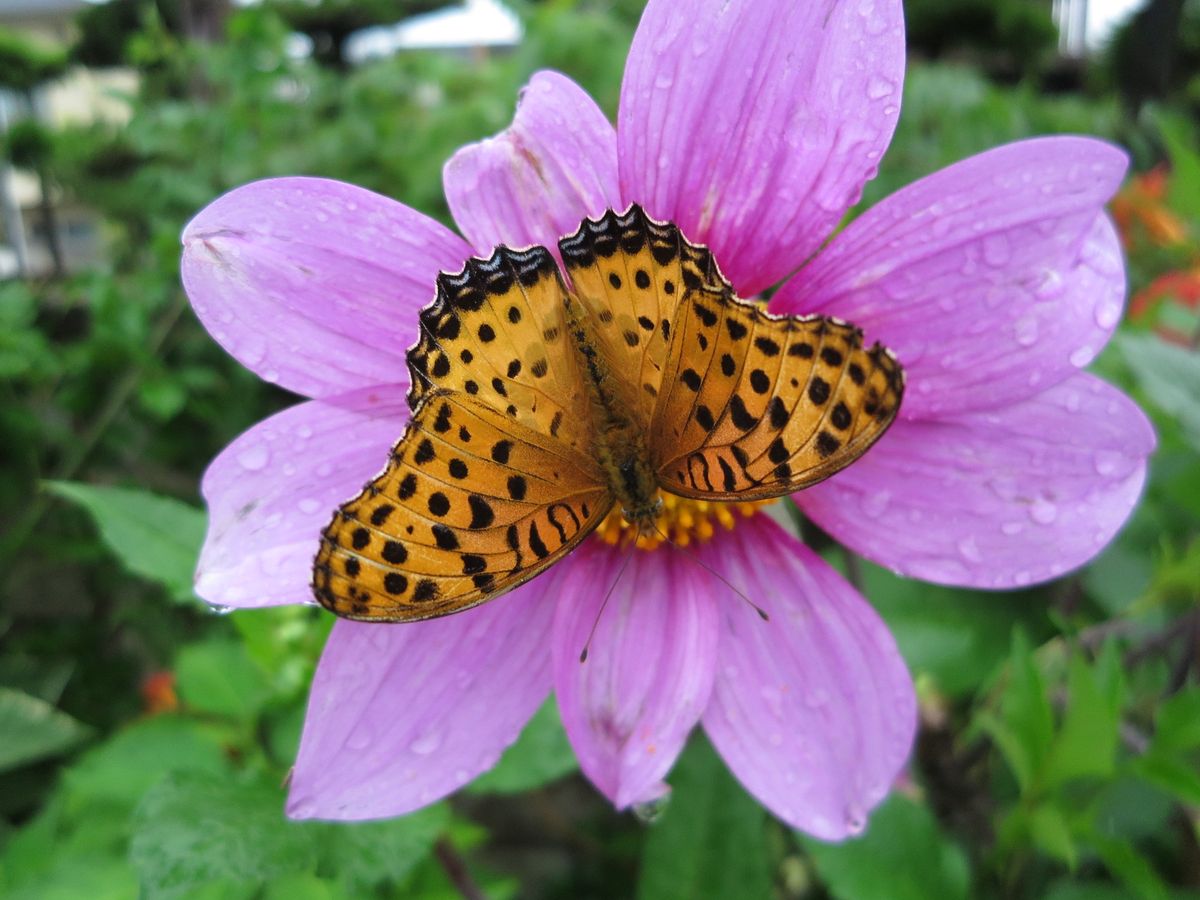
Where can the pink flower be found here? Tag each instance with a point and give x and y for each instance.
(753, 126)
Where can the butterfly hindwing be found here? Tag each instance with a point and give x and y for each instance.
(471, 505)
(756, 406)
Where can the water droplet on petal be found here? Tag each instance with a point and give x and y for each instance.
(650, 811)
(461, 776)
(856, 819)
(1050, 285)
(1043, 511)
(1082, 356)
(970, 550)
(1012, 528)
(308, 506)
(219, 610)
(426, 744)
(359, 740)
(254, 457)
(1106, 462)
(1107, 314)
(1026, 331)
(878, 88)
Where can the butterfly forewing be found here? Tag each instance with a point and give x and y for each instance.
(497, 332)
(755, 406)
(630, 272)
(470, 505)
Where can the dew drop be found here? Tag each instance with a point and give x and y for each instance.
(650, 811)
(970, 550)
(1082, 356)
(461, 776)
(1049, 285)
(359, 740)
(1026, 331)
(1106, 462)
(856, 820)
(878, 88)
(308, 506)
(426, 744)
(1107, 314)
(254, 458)
(1043, 511)
(1012, 529)
(219, 610)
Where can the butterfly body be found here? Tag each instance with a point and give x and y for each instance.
(538, 407)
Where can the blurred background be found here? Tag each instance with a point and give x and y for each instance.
(144, 739)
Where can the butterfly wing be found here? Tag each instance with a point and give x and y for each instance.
(497, 332)
(755, 406)
(493, 480)
(470, 505)
(629, 272)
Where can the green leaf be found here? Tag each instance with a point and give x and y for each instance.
(1024, 729)
(542, 754)
(902, 856)
(156, 537)
(194, 829)
(125, 766)
(218, 677)
(33, 729)
(1175, 775)
(957, 636)
(1133, 869)
(366, 854)
(1185, 163)
(1086, 745)
(1051, 833)
(1169, 376)
(710, 840)
(1177, 726)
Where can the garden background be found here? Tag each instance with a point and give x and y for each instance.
(144, 739)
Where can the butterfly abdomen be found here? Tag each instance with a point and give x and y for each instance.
(620, 435)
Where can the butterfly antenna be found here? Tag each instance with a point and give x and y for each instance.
(762, 613)
(621, 571)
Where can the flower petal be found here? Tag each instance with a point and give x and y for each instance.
(813, 711)
(538, 179)
(628, 709)
(401, 715)
(315, 284)
(273, 489)
(997, 499)
(991, 280)
(754, 125)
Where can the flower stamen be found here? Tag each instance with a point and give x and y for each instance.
(681, 520)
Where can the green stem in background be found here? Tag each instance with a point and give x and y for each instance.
(456, 870)
(76, 455)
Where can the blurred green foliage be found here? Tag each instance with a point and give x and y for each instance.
(1059, 745)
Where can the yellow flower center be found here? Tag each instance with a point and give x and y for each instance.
(682, 520)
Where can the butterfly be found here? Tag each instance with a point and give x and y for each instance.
(538, 407)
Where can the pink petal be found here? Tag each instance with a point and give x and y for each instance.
(813, 711)
(629, 708)
(991, 280)
(998, 499)
(754, 125)
(401, 715)
(315, 284)
(537, 180)
(273, 489)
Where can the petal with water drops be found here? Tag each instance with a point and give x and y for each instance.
(629, 708)
(997, 499)
(754, 125)
(273, 489)
(402, 715)
(991, 280)
(814, 710)
(314, 284)
(536, 181)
